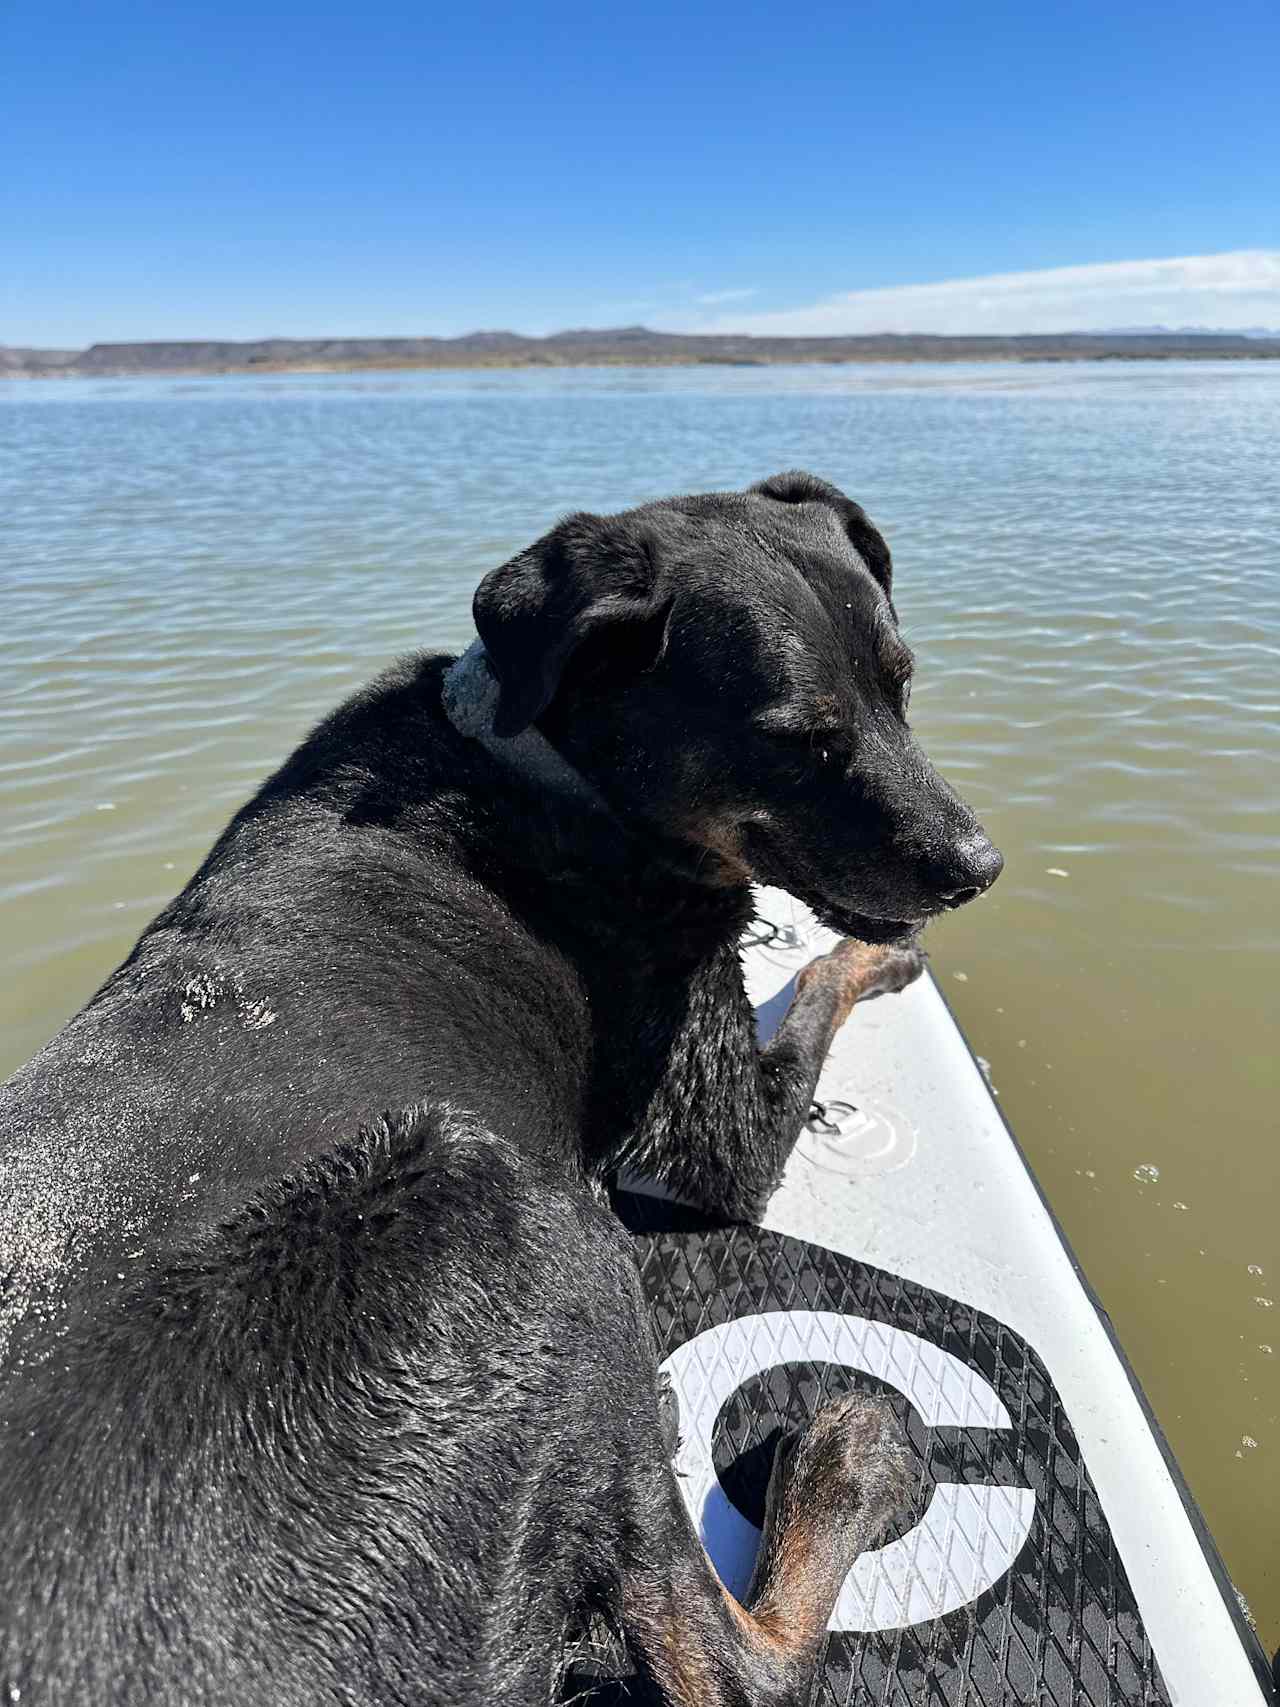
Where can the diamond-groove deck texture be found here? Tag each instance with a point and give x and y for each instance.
(1058, 1629)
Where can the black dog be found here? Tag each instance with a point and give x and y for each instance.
(306, 1402)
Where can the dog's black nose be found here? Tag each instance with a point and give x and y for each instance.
(976, 863)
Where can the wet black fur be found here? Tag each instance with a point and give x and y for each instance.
(326, 1376)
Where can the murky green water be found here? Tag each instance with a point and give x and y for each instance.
(1089, 569)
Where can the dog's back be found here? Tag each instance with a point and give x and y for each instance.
(329, 963)
(274, 1369)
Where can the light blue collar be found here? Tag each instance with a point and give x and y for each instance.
(470, 700)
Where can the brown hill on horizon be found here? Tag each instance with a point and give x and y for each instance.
(609, 347)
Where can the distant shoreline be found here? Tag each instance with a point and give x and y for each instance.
(631, 346)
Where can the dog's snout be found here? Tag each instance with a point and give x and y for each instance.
(975, 865)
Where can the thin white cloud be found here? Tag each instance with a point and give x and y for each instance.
(714, 296)
(1239, 290)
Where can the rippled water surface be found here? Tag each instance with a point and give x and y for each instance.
(1088, 568)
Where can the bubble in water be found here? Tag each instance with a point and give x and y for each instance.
(1247, 1441)
(1264, 1303)
(1255, 1268)
(1147, 1173)
(1265, 1349)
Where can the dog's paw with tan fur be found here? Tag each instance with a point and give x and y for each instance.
(861, 970)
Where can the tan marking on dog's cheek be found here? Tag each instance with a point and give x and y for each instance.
(724, 839)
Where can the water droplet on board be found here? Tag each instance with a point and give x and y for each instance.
(1264, 1303)
(1255, 1268)
(1146, 1173)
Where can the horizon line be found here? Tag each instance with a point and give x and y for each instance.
(634, 328)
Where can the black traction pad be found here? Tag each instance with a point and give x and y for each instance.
(1058, 1626)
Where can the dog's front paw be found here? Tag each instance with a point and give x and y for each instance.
(860, 970)
(885, 971)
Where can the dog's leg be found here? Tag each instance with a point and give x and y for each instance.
(727, 1113)
(827, 990)
(833, 1489)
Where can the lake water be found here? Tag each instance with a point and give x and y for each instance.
(1088, 562)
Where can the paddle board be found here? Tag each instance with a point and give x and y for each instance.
(1052, 1553)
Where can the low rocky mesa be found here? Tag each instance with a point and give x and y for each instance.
(625, 346)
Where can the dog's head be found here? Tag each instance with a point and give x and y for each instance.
(728, 669)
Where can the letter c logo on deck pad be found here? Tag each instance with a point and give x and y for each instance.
(967, 1539)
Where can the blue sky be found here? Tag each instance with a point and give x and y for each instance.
(237, 170)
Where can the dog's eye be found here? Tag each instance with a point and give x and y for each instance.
(809, 747)
(830, 753)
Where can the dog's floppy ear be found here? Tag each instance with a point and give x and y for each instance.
(588, 579)
(797, 487)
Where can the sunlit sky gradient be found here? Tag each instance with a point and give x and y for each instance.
(247, 170)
